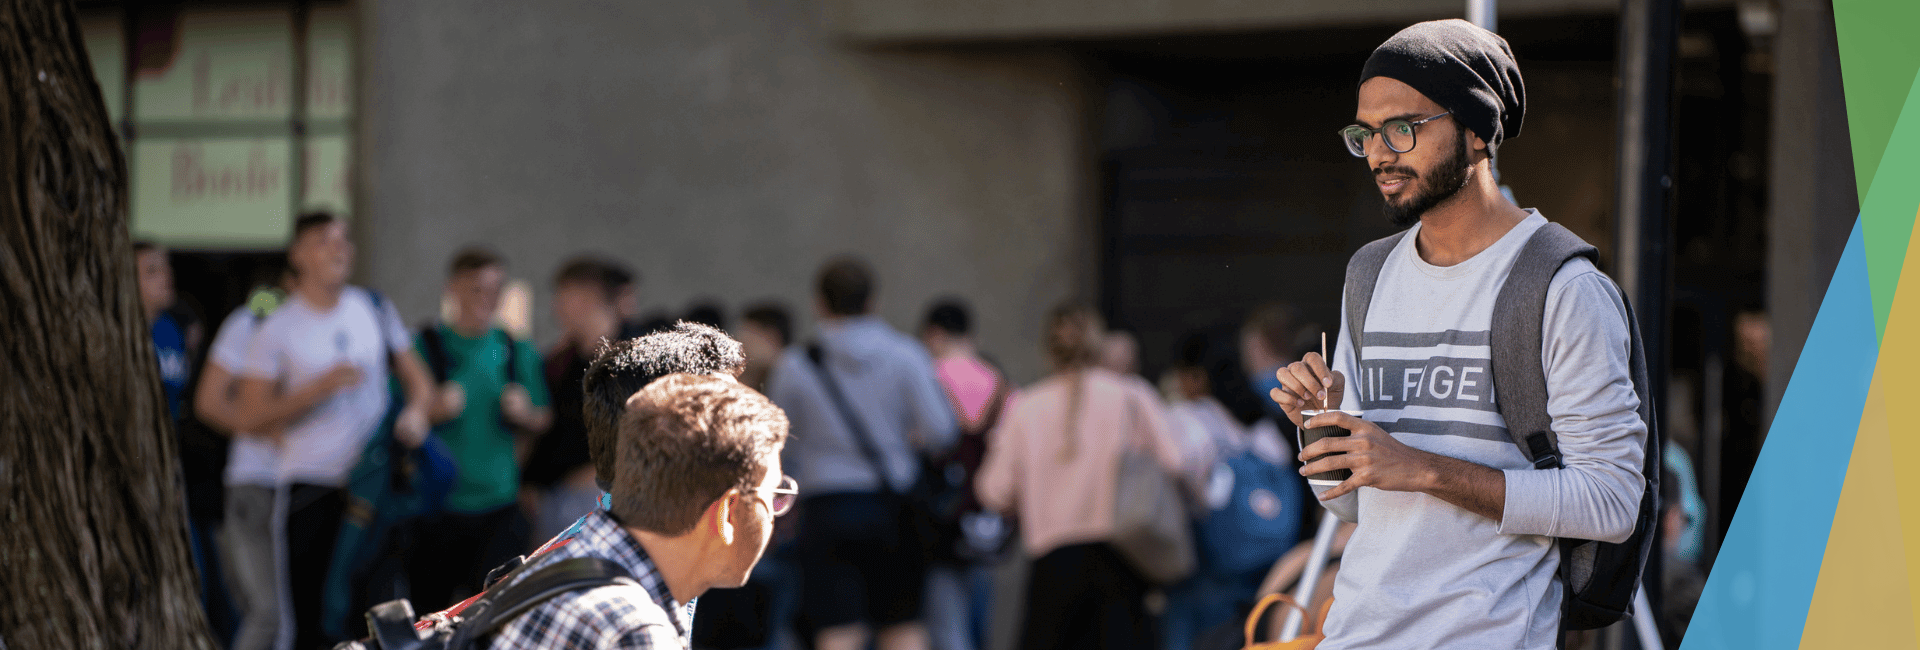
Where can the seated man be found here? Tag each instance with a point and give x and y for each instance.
(698, 486)
(617, 372)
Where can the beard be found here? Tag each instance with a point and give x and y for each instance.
(1445, 180)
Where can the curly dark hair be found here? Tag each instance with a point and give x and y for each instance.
(686, 440)
(622, 368)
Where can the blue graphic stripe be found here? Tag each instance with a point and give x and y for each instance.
(1762, 581)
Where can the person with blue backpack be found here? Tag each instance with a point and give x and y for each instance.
(1248, 497)
(320, 364)
(1499, 470)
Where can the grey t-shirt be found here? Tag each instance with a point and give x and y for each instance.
(1422, 573)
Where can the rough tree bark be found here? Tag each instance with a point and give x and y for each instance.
(93, 533)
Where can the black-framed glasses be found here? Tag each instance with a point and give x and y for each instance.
(784, 496)
(1398, 134)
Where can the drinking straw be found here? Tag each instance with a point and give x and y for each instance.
(1325, 390)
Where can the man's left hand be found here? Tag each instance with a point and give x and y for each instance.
(411, 426)
(516, 403)
(1374, 456)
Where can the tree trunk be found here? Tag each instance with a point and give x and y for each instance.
(93, 527)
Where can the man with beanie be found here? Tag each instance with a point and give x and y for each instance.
(1456, 540)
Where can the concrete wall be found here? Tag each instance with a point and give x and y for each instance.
(1814, 199)
(905, 20)
(724, 148)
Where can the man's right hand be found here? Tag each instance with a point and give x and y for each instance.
(449, 401)
(1307, 384)
(274, 434)
(339, 378)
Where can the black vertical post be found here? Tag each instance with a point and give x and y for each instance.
(1649, 37)
(302, 76)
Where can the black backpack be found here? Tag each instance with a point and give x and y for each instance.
(1600, 578)
(391, 624)
(930, 509)
(442, 366)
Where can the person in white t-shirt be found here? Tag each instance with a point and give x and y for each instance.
(253, 464)
(320, 363)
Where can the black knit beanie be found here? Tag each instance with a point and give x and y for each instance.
(1462, 67)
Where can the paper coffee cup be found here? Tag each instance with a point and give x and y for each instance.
(1309, 435)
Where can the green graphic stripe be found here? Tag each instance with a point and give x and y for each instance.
(1879, 55)
(1887, 213)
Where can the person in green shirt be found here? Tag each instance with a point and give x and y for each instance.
(491, 399)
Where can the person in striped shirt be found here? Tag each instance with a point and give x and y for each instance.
(1456, 540)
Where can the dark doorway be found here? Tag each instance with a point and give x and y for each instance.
(1225, 186)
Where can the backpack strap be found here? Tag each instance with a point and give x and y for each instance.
(1002, 390)
(390, 627)
(818, 356)
(1363, 272)
(500, 607)
(442, 365)
(995, 402)
(436, 349)
(1599, 577)
(1519, 314)
(381, 308)
(513, 356)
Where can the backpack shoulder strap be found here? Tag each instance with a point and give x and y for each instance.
(513, 356)
(1519, 314)
(995, 402)
(499, 608)
(817, 354)
(436, 348)
(381, 308)
(1363, 272)
(380, 305)
(442, 365)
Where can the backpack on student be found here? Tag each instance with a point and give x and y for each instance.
(389, 489)
(959, 539)
(392, 626)
(1599, 578)
(1256, 524)
(441, 365)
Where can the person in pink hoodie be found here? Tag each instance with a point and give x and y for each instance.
(959, 582)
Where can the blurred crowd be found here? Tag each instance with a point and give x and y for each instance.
(941, 506)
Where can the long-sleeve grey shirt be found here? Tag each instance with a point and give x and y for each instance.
(890, 382)
(1423, 573)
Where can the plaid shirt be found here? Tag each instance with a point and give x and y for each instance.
(442, 616)
(618, 616)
